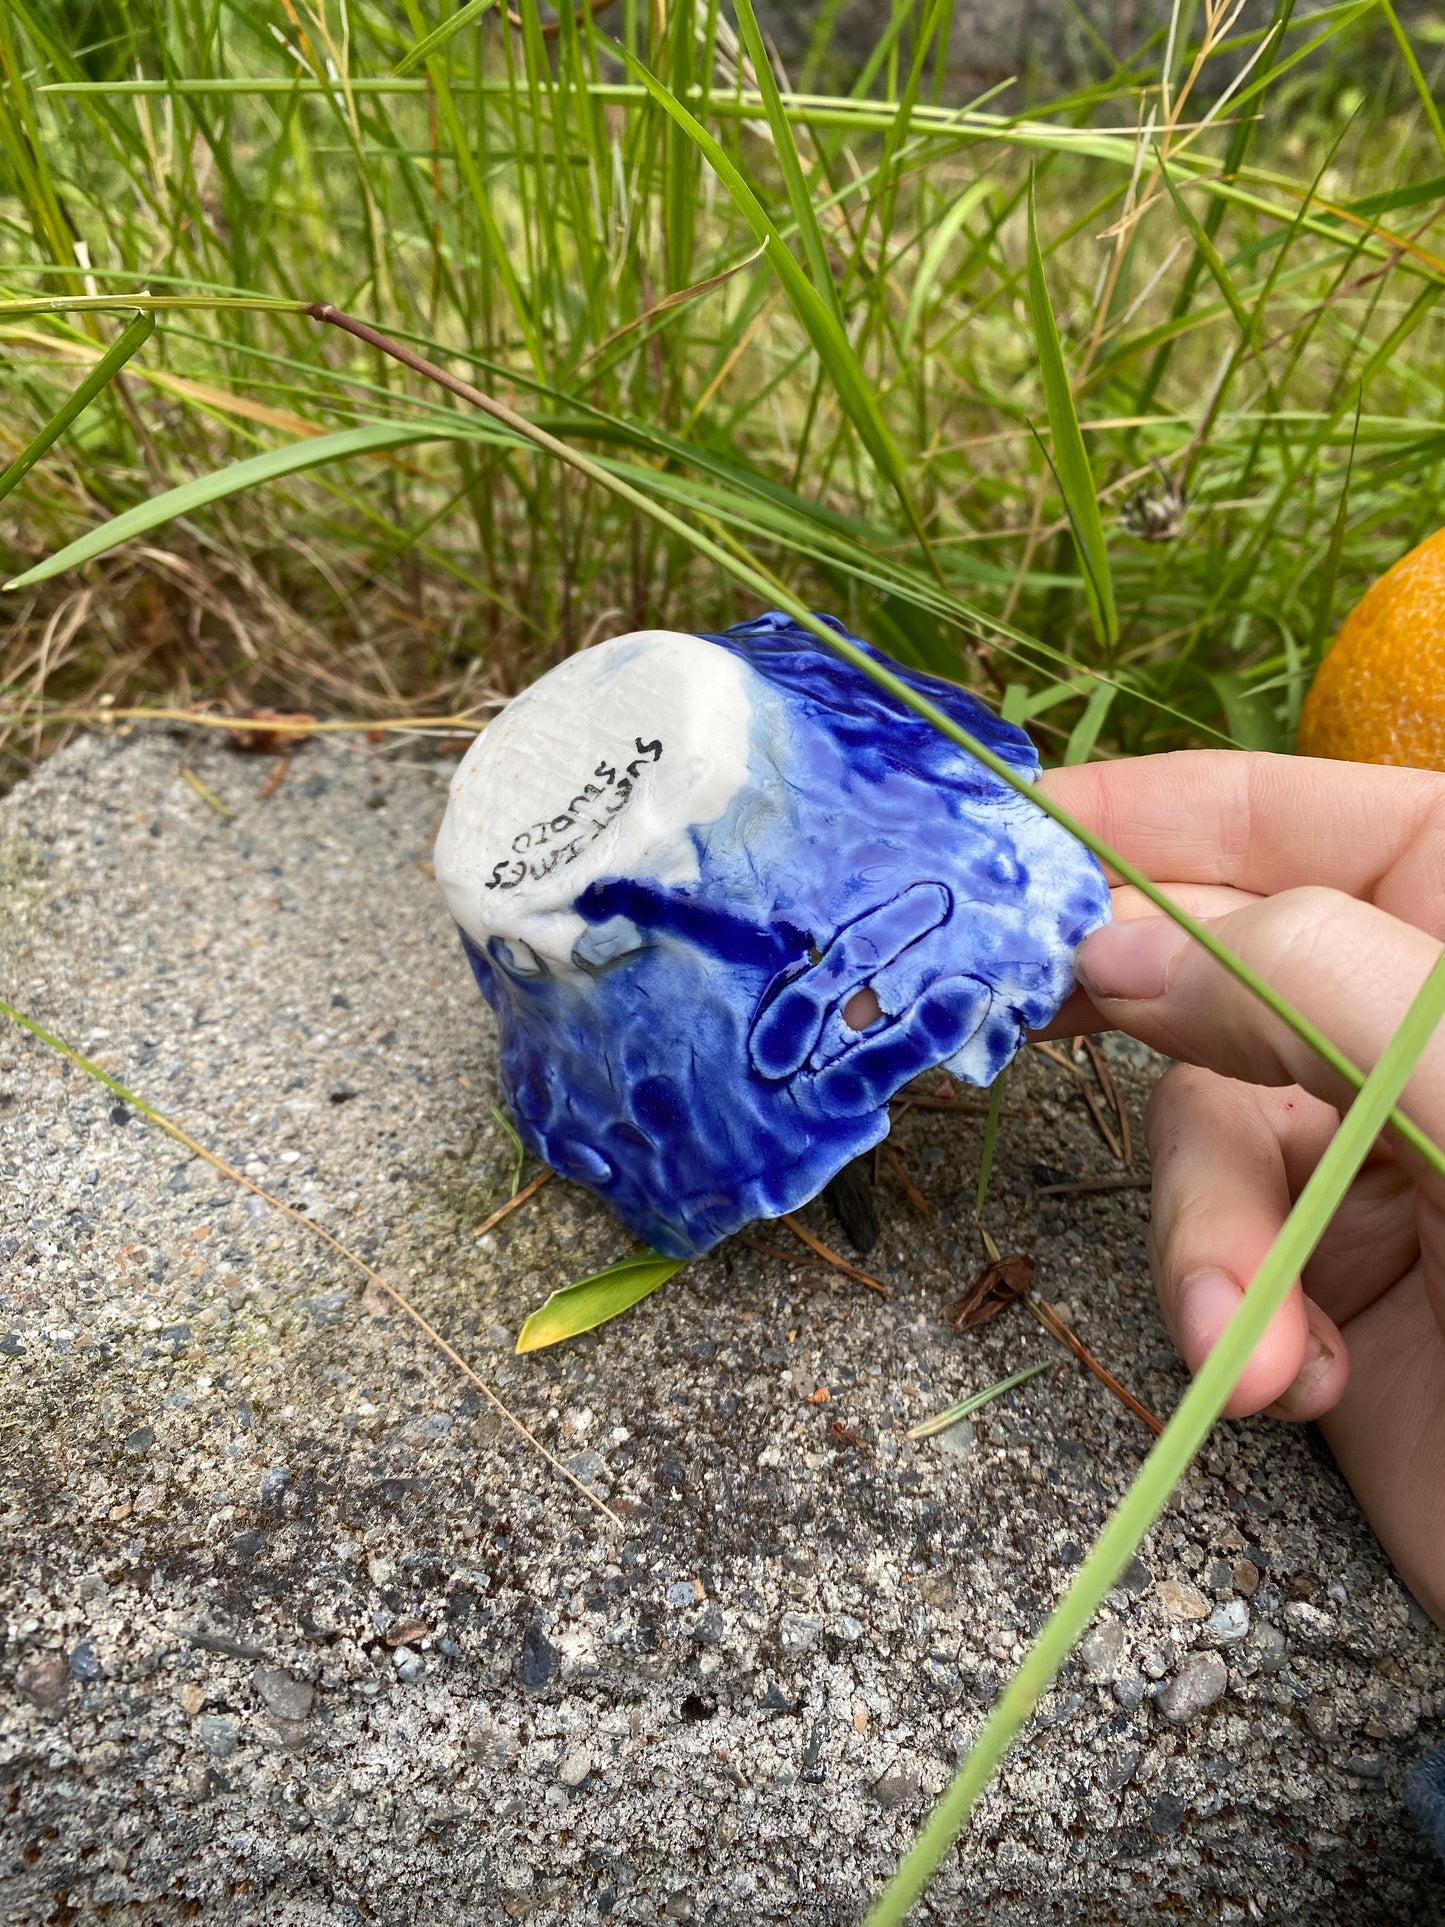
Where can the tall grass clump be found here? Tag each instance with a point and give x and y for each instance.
(810, 322)
(1102, 404)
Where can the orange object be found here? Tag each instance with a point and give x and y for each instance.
(1379, 696)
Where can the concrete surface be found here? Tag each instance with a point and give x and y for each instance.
(296, 1632)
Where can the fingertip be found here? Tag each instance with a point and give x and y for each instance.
(1324, 1372)
(1204, 1304)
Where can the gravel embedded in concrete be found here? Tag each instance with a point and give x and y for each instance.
(296, 1630)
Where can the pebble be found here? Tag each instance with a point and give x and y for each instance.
(1228, 1624)
(1100, 1649)
(1267, 1647)
(1136, 1578)
(539, 1659)
(1310, 1628)
(410, 1666)
(83, 1661)
(845, 1627)
(799, 1633)
(1246, 1577)
(287, 1698)
(1181, 1600)
(44, 1679)
(709, 1628)
(576, 1767)
(958, 1441)
(1167, 1814)
(274, 1481)
(682, 1594)
(1129, 1688)
(218, 1734)
(1202, 1679)
(895, 1790)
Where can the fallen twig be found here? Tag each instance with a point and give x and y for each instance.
(317, 1231)
(1082, 1185)
(915, 1197)
(277, 777)
(1105, 1129)
(528, 1190)
(830, 1257)
(1110, 1089)
(1055, 1326)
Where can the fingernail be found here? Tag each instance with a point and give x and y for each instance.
(1298, 1402)
(1130, 960)
(1207, 1301)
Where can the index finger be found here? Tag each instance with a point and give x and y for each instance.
(1270, 823)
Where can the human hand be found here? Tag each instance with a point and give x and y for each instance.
(1329, 880)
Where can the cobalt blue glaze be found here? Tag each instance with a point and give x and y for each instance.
(746, 832)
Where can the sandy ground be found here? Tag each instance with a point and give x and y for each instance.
(297, 1631)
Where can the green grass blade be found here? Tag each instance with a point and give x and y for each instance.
(1422, 86)
(990, 1142)
(294, 459)
(1171, 1456)
(785, 144)
(1085, 732)
(819, 320)
(933, 257)
(519, 1150)
(99, 378)
(590, 1302)
(941, 1421)
(1071, 459)
(439, 36)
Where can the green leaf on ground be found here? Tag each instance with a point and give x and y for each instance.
(592, 1301)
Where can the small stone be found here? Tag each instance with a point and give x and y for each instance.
(1154, 1662)
(958, 1441)
(682, 1594)
(406, 1632)
(1320, 1717)
(1309, 1627)
(1100, 1649)
(410, 1666)
(44, 1679)
(83, 1662)
(192, 1699)
(799, 1633)
(845, 1627)
(576, 1767)
(274, 1481)
(140, 1441)
(1167, 1814)
(1181, 1600)
(1202, 1679)
(1129, 1688)
(1246, 1577)
(539, 1659)
(1228, 1624)
(1219, 1578)
(709, 1628)
(287, 1698)
(679, 1906)
(1119, 1769)
(12, 1344)
(1136, 1578)
(895, 1790)
(218, 1734)
(1267, 1647)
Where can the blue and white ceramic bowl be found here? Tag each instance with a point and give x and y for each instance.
(726, 895)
